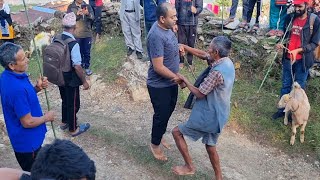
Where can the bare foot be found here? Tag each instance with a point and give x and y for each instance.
(165, 144)
(183, 170)
(158, 153)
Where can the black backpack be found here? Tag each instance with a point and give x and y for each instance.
(56, 60)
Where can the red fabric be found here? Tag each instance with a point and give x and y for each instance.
(300, 1)
(216, 9)
(295, 37)
(99, 3)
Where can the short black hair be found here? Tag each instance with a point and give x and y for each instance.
(62, 160)
(222, 44)
(162, 10)
(8, 54)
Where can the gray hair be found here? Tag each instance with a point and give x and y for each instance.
(222, 44)
(162, 10)
(8, 54)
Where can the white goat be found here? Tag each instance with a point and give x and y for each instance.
(298, 104)
(42, 39)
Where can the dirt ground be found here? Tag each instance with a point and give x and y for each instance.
(120, 133)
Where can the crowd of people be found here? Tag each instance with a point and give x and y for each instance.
(171, 33)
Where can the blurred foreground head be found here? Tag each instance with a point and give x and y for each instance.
(63, 160)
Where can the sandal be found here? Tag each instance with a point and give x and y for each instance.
(228, 21)
(279, 33)
(254, 28)
(242, 24)
(82, 128)
(272, 32)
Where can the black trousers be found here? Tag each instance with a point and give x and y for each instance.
(250, 10)
(163, 101)
(70, 105)
(187, 35)
(26, 160)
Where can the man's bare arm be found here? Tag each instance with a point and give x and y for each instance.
(196, 52)
(163, 70)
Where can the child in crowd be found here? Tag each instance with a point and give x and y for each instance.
(6, 28)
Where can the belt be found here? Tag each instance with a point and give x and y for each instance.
(129, 11)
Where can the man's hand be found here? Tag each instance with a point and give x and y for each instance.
(184, 79)
(279, 47)
(181, 50)
(183, 85)
(42, 83)
(49, 116)
(177, 80)
(86, 86)
(193, 9)
(80, 12)
(294, 53)
(175, 28)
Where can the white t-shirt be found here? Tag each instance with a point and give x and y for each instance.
(6, 8)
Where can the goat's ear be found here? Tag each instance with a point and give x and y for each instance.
(288, 107)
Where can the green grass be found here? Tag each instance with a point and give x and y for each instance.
(17, 8)
(108, 56)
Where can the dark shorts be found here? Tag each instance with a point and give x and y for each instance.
(207, 138)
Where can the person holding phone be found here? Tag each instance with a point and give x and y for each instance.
(83, 31)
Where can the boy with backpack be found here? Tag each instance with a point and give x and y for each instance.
(62, 65)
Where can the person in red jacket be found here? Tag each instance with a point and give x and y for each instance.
(97, 6)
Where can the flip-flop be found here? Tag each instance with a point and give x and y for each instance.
(82, 128)
(228, 21)
(64, 127)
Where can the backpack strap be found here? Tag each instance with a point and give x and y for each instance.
(69, 40)
(311, 22)
(66, 41)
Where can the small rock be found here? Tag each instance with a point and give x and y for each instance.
(44, 25)
(201, 38)
(233, 25)
(253, 39)
(109, 162)
(2, 146)
(241, 39)
(227, 32)
(199, 30)
(317, 163)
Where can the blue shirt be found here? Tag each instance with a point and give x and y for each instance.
(162, 43)
(150, 7)
(18, 98)
(75, 52)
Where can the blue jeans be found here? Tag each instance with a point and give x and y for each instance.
(234, 7)
(85, 48)
(300, 75)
